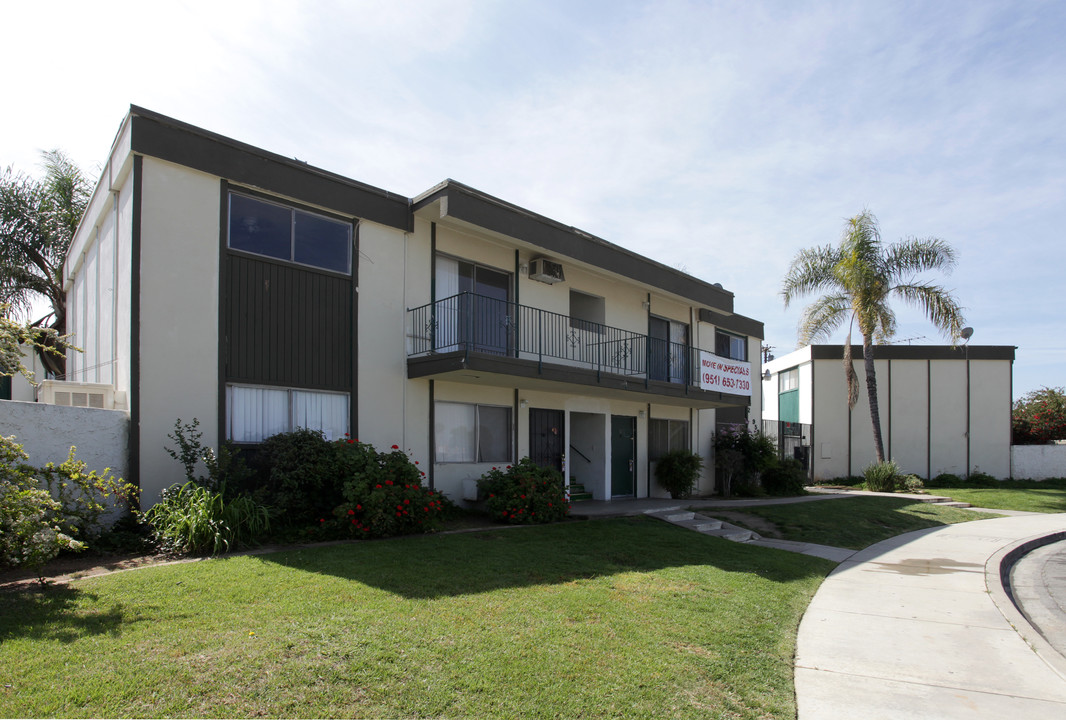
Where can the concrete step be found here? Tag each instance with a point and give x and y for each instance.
(678, 517)
(707, 525)
(955, 503)
(734, 533)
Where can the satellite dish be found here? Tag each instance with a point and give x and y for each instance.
(967, 333)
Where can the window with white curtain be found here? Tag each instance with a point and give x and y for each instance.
(467, 433)
(255, 413)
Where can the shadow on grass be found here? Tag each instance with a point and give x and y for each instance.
(56, 612)
(427, 567)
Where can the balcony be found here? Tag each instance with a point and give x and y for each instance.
(479, 333)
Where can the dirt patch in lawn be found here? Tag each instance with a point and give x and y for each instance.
(65, 568)
(752, 522)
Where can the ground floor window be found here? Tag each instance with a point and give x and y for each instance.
(467, 433)
(666, 436)
(254, 413)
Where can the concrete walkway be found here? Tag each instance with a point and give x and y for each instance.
(920, 626)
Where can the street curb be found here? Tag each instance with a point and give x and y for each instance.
(997, 581)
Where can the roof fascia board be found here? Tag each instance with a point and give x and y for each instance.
(918, 352)
(168, 139)
(466, 204)
(733, 323)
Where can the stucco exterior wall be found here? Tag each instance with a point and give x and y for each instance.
(382, 321)
(1038, 462)
(831, 421)
(178, 319)
(906, 427)
(98, 279)
(990, 417)
(47, 432)
(927, 426)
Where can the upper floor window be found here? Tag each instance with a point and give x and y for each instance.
(734, 347)
(278, 231)
(587, 312)
(789, 380)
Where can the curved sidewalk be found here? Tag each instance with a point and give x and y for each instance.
(918, 626)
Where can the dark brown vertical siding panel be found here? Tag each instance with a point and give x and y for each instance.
(288, 326)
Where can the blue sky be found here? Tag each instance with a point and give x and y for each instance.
(718, 137)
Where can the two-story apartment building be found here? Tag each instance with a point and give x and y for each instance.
(213, 280)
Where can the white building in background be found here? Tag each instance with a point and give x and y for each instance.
(213, 280)
(943, 409)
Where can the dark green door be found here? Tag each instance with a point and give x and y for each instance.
(623, 455)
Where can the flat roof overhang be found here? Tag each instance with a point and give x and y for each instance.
(502, 371)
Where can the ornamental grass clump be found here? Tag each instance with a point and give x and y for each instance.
(195, 520)
(524, 493)
(881, 477)
(384, 494)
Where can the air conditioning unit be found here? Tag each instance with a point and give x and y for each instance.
(77, 394)
(546, 271)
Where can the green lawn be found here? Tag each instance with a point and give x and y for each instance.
(611, 618)
(856, 522)
(1032, 497)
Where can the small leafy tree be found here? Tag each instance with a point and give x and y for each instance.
(1039, 417)
(677, 472)
(226, 471)
(740, 454)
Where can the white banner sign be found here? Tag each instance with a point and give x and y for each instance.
(723, 375)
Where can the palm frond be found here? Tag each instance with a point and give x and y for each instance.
(822, 317)
(915, 255)
(937, 304)
(811, 270)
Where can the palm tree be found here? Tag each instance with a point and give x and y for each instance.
(859, 278)
(37, 223)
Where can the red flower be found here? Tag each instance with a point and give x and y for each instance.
(395, 447)
(416, 462)
(406, 502)
(397, 514)
(351, 512)
(358, 507)
(388, 482)
(378, 487)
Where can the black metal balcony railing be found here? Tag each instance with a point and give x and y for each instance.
(476, 323)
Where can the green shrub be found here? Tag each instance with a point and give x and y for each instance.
(56, 507)
(195, 520)
(677, 472)
(86, 497)
(524, 493)
(947, 480)
(226, 470)
(740, 454)
(909, 483)
(981, 479)
(31, 531)
(298, 476)
(881, 477)
(383, 493)
(786, 477)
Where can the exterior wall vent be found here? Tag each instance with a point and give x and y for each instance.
(77, 394)
(546, 271)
